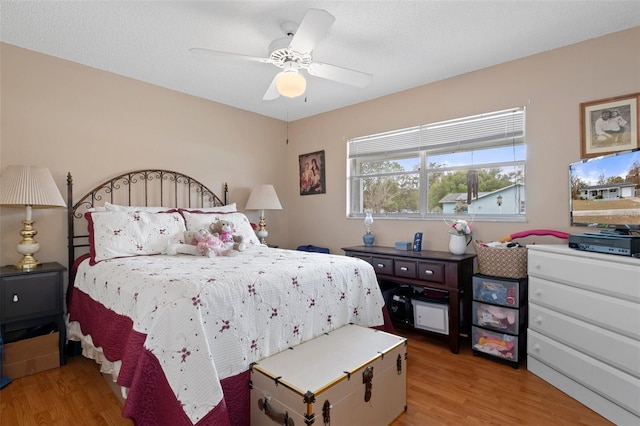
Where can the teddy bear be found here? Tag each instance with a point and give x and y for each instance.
(201, 243)
(209, 245)
(225, 230)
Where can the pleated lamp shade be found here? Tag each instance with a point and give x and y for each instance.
(29, 186)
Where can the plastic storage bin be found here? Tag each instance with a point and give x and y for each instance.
(499, 318)
(501, 345)
(499, 291)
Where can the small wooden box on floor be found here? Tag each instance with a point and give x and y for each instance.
(350, 376)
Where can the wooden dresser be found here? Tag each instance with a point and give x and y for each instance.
(584, 327)
(428, 269)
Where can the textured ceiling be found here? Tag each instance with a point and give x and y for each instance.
(403, 44)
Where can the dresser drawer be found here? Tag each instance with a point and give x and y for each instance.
(618, 351)
(614, 278)
(382, 265)
(595, 375)
(363, 257)
(617, 315)
(431, 271)
(405, 268)
(30, 296)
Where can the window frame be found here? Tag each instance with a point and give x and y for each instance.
(416, 142)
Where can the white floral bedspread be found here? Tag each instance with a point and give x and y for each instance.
(207, 319)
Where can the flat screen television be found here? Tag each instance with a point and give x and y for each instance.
(605, 193)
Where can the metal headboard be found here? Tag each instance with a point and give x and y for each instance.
(154, 187)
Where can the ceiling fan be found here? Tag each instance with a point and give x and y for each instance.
(293, 53)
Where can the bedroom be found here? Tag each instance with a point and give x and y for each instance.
(94, 123)
(62, 114)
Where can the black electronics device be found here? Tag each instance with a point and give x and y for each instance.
(624, 245)
(398, 301)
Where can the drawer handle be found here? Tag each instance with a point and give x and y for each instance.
(380, 265)
(538, 320)
(537, 292)
(428, 272)
(536, 347)
(404, 268)
(15, 298)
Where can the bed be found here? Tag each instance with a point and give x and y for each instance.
(178, 333)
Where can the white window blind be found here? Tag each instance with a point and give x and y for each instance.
(483, 130)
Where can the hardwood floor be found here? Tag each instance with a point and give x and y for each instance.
(74, 394)
(442, 389)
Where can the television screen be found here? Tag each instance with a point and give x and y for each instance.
(605, 192)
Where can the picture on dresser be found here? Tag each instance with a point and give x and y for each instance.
(609, 125)
(312, 174)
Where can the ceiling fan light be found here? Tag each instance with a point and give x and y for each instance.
(291, 84)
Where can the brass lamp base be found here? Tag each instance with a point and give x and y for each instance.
(27, 247)
(27, 262)
(262, 232)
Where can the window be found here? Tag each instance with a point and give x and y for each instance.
(468, 166)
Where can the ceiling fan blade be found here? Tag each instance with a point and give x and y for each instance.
(272, 92)
(339, 74)
(220, 54)
(312, 29)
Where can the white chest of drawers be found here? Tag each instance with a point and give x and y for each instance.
(584, 327)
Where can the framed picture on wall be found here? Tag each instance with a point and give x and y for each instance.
(312, 173)
(609, 125)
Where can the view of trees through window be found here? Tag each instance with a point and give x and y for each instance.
(480, 176)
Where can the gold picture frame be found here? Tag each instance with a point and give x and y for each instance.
(312, 174)
(609, 125)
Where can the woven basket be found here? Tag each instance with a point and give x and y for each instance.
(501, 262)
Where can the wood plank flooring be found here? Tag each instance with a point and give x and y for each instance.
(442, 389)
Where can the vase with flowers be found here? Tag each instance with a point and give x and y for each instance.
(460, 236)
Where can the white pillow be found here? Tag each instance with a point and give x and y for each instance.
(196, 221)
(124, 234)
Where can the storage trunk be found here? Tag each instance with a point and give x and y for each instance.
(350, 376)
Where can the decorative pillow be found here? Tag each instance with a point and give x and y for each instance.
(125, 234)
(196, 221)
(229, 208)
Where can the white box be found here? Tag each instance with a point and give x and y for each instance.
(431, 316)
(321, 381)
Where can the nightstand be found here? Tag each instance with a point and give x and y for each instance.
(33, 298)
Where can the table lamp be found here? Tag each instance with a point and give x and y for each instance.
(29, 187)
(263, 197)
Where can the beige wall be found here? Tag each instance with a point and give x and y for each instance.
(96, 124)
(550, 85)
